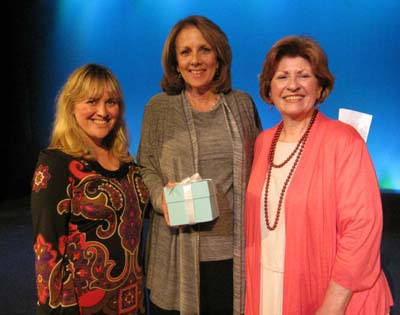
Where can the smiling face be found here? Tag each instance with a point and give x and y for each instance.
(294, 88)
(97, 116)
(196, 60)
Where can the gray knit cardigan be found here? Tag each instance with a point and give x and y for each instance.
(168, 152)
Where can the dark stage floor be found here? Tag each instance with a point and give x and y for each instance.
(17, 284)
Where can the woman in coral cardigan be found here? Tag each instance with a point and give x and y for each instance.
(313, 207)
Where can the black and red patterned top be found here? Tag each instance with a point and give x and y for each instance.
(87, 224)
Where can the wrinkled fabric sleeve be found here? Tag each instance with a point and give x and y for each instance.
(359, 217)
(50, 228)
(149, 152)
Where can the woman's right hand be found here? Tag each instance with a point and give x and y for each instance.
(164, 206)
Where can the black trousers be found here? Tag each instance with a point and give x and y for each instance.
(216, 290)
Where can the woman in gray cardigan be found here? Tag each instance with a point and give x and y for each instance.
(197, 125)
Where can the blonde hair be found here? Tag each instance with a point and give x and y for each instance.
(88, 81)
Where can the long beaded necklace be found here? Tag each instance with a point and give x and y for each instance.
(299, 150)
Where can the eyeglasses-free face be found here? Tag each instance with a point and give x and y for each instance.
(97, 116)
(294, 87)
(197, 60)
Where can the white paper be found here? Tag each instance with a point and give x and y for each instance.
(360, 121)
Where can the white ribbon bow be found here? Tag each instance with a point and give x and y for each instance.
(187, 194)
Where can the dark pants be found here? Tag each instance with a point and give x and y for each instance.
(216, 290)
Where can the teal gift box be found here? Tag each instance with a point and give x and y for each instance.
(192, 202)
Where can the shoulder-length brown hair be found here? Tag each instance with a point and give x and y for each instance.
(171, 82)
(88, 81)
(297, 46)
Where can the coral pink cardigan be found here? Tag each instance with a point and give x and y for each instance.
(333, 224)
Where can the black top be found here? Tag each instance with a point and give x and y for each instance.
(87, 224)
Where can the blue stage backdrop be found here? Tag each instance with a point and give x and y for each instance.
(361, 38)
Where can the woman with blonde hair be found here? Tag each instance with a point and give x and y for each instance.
(87, 204)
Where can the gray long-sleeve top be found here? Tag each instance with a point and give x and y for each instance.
(168, 151)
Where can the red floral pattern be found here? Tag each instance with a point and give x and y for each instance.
(40, 178)
(93, 264)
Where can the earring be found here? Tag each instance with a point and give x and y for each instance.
(179, 75)
(271, 106)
